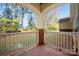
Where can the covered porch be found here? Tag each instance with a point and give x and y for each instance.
(42, 43)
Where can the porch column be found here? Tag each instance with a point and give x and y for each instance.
(40, 28)
(74, 12)
(75, 21)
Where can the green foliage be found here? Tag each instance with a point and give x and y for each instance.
(31, 25)
(52, 25)
(7, 25)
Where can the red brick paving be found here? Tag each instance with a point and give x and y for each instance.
(42, 51)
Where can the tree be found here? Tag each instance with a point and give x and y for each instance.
(31, 24)
(52, 25)
(7, 12)
(21, 13)
(8, 21)
(10, 11)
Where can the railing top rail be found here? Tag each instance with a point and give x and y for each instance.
(16, 33)
(63, 33)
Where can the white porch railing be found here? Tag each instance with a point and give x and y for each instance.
(13, 43)
(66, 41)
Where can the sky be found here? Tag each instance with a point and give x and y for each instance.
(63, 11)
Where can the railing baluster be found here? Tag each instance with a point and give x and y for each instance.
(8, 43)
(78, 41)
(17, 40)
(0, 45)
(5, 46)
(67, 40)
(25, 40)
(61, 41)
(71, 42)
(57, 41)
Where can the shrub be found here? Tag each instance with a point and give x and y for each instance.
(7, 25)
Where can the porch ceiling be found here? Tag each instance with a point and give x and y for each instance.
(41, 6)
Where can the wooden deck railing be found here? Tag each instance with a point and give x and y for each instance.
(13, 43)
(65, 41)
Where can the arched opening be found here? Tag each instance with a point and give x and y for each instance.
(58, 18)
(27, 19)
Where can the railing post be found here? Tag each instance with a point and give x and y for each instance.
(76, 42)
(74, 39)
(41, 36)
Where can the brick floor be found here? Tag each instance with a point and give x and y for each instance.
(42, 51)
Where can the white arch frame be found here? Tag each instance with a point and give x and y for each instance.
(55, 5)
(48, 9)
(41, 15)
(32, 8)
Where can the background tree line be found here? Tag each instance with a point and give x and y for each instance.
(9, 21)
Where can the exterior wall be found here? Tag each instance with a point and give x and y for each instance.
(73, 23)
(65, 26)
